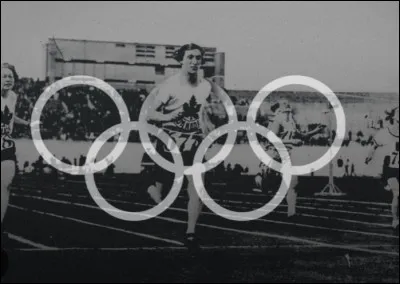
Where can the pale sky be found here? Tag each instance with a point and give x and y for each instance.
(349, 46)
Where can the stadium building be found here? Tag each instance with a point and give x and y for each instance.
(121, 64)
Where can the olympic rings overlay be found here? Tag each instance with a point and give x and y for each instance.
(178, 168)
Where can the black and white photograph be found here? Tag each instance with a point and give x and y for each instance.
(199, 142)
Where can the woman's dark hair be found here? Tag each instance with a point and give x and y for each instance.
(13, 70)
(180, 53)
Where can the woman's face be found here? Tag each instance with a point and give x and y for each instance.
(7, 79)
(192, 61)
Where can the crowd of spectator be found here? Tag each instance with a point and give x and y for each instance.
(76, 113)
(82, 113)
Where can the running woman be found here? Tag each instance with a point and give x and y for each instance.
(387, 142)
(286, 128)
(181, 106)
(8, 157)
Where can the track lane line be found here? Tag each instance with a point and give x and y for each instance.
(255, 233)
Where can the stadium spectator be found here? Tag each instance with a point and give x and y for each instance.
(353, 171)
(28, 168)
(38, 166)
(110, 171)
(66, 161)
(346, 168)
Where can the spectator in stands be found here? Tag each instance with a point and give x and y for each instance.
(229, 169)
(26, 165)
(28, 168)
(38, 166)
(110, 171)
(66, 161)
(237, 170)
(346, 168)
(82, 160)
(353, 171)
(340, 162)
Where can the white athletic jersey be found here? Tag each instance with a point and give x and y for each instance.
(7, 118)
(287, 130)
(173, 96)
(389, 146)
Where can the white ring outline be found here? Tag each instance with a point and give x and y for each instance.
(337, 107)
(268, 207)
(35, 125)
(126, 215)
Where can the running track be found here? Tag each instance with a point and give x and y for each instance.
(59, 234)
